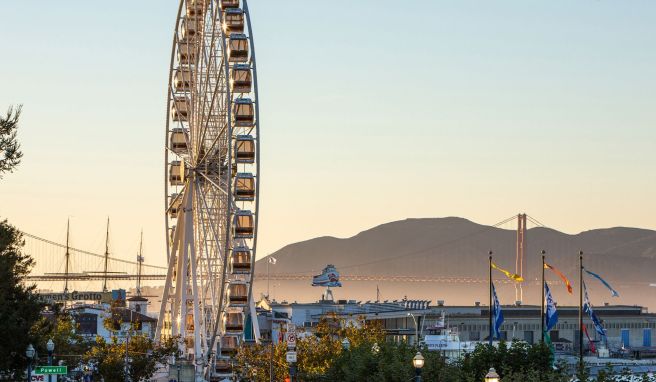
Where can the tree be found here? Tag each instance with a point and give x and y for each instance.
(63, 330)
(144, 354)
(519, 362)
(10, 154)
(315, 353)
(19, 307)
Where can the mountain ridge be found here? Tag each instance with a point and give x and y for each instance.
(455, 247)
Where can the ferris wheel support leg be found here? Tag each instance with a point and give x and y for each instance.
(253, 313)
(167, 288)
(187, 242)
(199, 356)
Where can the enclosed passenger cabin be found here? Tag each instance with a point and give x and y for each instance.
(182, 80)
(233, 21)
(229, 345)
(190, 27)
(241, 79)
(187, 52)
(178, 141)
(190, 321)
(223, 365)
(229, 4)
(240, 261)
(244, 224)
(180, 109)
(245, 149)
(237, 293)
(196, 7)
(238, 48)
(244, 187)
(243, 112)
(233, 322)
(189, 342)
(175, 201)
(176, 173)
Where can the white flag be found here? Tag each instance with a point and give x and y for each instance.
(272, 260)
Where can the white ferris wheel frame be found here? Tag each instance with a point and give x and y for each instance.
(200, 235)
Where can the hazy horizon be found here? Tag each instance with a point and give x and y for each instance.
(479, 110)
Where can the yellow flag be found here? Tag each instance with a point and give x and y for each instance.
(512, 276)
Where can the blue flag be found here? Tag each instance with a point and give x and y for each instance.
(497, 314)
(587, 307)
(613, 292)
(551, 318)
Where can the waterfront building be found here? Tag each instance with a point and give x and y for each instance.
(631, 330)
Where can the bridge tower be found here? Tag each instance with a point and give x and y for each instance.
(519, 260)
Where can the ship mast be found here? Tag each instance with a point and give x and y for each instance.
(140, 260)
(68, 255)
(106, 258)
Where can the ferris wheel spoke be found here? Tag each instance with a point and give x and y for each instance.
(213, 183)
(209, 261)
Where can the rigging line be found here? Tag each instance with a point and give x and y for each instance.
(535, 221)
(422, 251)
(87, 252)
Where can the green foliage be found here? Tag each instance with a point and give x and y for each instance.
(321, 358)
(582, 372)
(62, 329)
(143, 352)
(10, 154)
(520, 360)
(19, 308)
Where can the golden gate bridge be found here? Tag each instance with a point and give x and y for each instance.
(59, 263)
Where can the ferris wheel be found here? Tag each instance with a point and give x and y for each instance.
(212, 185)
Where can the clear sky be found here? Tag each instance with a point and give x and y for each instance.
(371, 111)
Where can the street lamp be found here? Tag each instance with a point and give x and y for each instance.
(29, 352)
(418, 363)
(492, 376)
(51, 347)
(346, 344)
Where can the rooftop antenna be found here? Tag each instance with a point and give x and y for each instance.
(140, 260)
(68, 255)
(377, 294)
(106, 257)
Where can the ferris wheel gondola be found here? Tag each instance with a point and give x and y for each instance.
(212, 184)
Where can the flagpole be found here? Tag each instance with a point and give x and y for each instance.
(542, 306)
(580, 308)
(490, 290)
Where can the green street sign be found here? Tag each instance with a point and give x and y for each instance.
(51, 370)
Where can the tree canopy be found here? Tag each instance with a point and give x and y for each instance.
(19, 307)
(10, 154)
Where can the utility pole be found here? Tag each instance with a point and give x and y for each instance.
(106, 257)
(68, 255)
(581, 309)
(140, 261)
(490, 290)
(127, 343)
(542, 288)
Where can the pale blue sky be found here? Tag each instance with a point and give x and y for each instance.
(370, 112)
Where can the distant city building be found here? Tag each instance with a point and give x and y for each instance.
(106, 321)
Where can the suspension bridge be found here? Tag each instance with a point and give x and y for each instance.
(58, 264)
